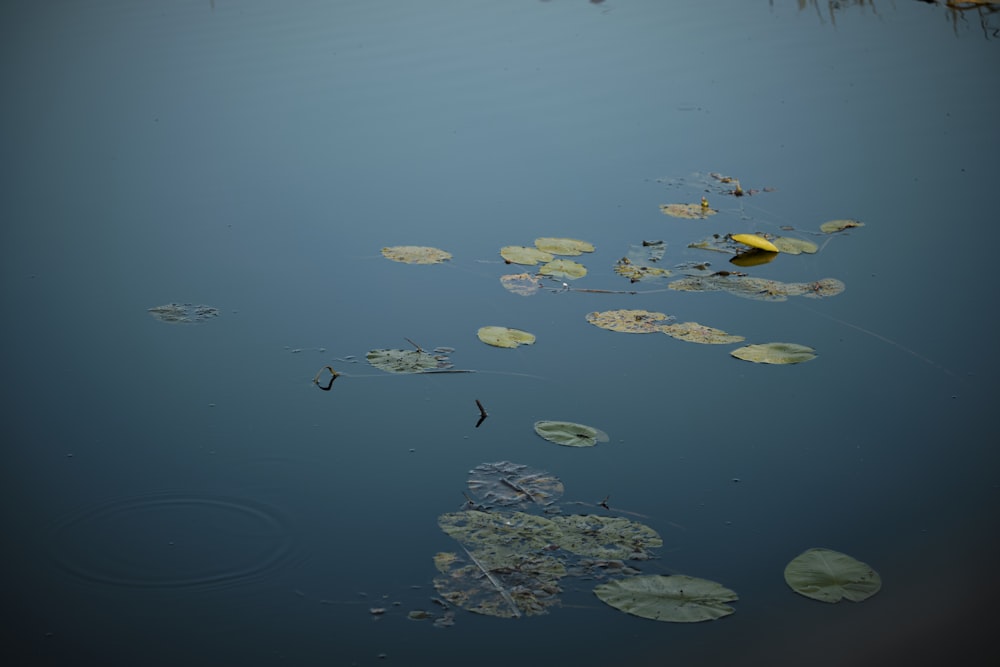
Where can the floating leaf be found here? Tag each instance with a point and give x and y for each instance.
(693, 332)
(676, 598)
(688, 211)
(564, 268)
(524, 284)
(761, 289)
(817, 290)
(629, 321)
(833, 226)
(415, 254)
(775, 353)
(183, 313)
(558, 246)
(636, 272)
(716, 243)
(570, 434)
(829, 576)
(515, 531)
(639, 263)
(793, 246)
(408, 361)
(517, 254)
(505, 484)
(504, 337)
(755, 241)
(606, 537)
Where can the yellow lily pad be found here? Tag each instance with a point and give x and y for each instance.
(564, 268)
(629, 321)
(558, 246)
(833, 226)
(517, 254)
(755, 241)
(504, 337)
(415, 254)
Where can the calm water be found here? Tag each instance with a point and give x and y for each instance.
(185, 495)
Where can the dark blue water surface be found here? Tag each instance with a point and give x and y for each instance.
(185, 495)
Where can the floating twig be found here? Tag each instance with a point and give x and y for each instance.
(482, 413)
(419, 349)
(333, 376)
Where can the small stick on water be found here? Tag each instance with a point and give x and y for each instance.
(482, 413)
(419, 349)
(333, 376)
(604, 503)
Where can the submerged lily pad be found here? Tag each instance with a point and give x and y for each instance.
(523, 284)
(415, 254)
(829, 576)
(775, 353)
(629, 321)
(693, 332)
(833, 226)
(516, 254)
(505, 484)
(563, 268)
(183, 313)
(558, 246)
(640, 263)
(570, 434)
(676, 598)
(504, 336)
(688, 211)
(407, 361)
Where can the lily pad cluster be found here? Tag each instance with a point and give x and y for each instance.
(544, 252)
(761, 289)
(643, 321)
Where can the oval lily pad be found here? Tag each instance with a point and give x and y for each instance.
(183, 313)
(775, 353)
(415, 254)
(688, 211)
(830, 576)
(407, 361)
(570, 434)
(564, 268)
(504, 336)
(558, 246)
(793, 246)
(629, 321)
(517, 254)
(676, 598)
(524, 284)
(833, 226)
(755, 241)
(693, 332)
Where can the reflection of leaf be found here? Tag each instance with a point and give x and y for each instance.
(524, 284)
(563, 268)
(517, 254)
(183, 313)
(755, 241)
(504, 337)
(558, 246)
(829, 576)
(693, 332)
(688, 211)
(629, 321)
(676, 598)
(775, 353)
(414, 254)
(833, 226)
(505, 484)
(606, 537)
(570, 434)
(407, 361)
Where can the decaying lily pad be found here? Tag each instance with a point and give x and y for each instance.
(629, 321)
(559, 246)
(834, 226)
(640, 262)
(517, 254)
(693, 332)
(183, 313)
(818, 289)
(688, 211)
(563, 268)
(607, 537)
(570, 434)
(519, 584)
(506, 484)
(677, 598)
(408, 361)
(775, 353)
(524, 284)
(415, 254)
(504, 336)
(830, 576)
(761, 289)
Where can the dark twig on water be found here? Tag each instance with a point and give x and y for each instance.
(333, 376)
(482, 413)
(419, 349)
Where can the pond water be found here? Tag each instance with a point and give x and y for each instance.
(184, 494)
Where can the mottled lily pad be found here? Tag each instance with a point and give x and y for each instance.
(570, 434)
(640, 263)
(408, 361)
(830, 576)
(415, 254)
(563, 268)
(517, 254)
(523, 284)
(559, 246)
(775, 353)
(183, 313)
(607, 537)
(504, 336)
(629, 321)
(693, 332)
(676, 598)
(505, 484)
(688, 211)
(833, 226)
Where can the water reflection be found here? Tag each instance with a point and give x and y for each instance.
(963, 16)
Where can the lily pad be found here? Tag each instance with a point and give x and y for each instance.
(523, 284)
(504, 336)
(688, 211)
(517, 531)
(415, 254)
(640, 263)
(834, 226)
(558, 246)
(775, 353)
(407, 361)
(570, 434)
(692, 332)
(606, 537)
(755, 241)
(794, 246)
(830, 576)
(506, 484)
(629, 321)
(676, 598)
(516, 254)
(563, 268)
(183, 313)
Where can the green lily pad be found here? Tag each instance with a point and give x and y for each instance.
(629, 321)
(834, 226)
(793, 246)
(607, 537)
(408, 361)
(677, 598)
(504, 337)
(558, 246)
(775, 353)
(563, 268)
(570, 434)
(415, 254)
(516, 254)
(830, 576)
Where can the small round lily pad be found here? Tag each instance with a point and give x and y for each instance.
(830, 576)
(504, 336)
(570, 434)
